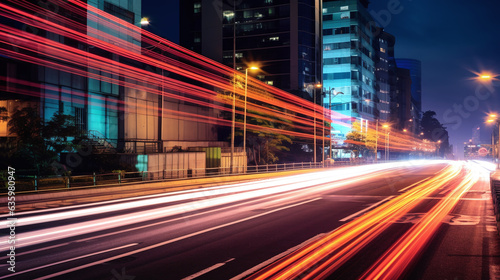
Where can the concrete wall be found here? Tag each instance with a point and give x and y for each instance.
(239, 162)
(176, 165)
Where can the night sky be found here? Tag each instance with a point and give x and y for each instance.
(453, 39)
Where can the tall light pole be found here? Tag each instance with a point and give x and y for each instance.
(376, 142)
(234, 88)
(387, 146)
(318, 85)
(330, 90)
(245, 113)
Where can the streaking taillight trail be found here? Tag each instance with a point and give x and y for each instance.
(321, 258)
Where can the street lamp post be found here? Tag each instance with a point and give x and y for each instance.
(318, 85)
(330, 108)
(245, 112)
(376, 142)
(387, 146)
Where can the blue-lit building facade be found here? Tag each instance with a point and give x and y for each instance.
(348, 67)
(94, 103)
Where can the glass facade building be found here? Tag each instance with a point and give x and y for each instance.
(415, 68)
(385, 73)
(282, 37)
(349, 65)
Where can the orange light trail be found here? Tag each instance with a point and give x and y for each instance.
(398, 258)
(292, 113)
(320, 258)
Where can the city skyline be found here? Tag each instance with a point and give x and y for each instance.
(454, 40)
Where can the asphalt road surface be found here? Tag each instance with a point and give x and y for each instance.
(416, 220)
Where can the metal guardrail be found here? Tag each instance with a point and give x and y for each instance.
(34, 183)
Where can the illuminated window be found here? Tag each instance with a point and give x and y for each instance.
(247, 14)
(382, 50)
(197, 7)
(344, 8)
(345, 15)
(274, 38)
(228, 16)
(269, 83)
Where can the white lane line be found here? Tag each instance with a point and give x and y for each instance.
(273, 259)
(412, 185)
(365, 210)
(68, 260)
(162, 243)
(171, 220)
(206, 270)
(38, 250)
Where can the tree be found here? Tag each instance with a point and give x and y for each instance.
(434, 131)
(361, 143)
(263, 146)
(39, 144)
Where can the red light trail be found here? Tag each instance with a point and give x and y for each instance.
(293, 114)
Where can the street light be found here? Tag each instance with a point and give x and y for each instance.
(245, 112)
(144, 21)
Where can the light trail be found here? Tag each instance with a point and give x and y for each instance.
(322, 257)
(396, 260)
(291, 112)
(196, 200)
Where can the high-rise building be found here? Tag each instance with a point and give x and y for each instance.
(415, 67)
(385, 73)
(282, 37)
(349, 65)
(401, 101)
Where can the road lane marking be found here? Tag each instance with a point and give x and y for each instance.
(365, 210)
(171, 220)
(273, 259)
(64, 261)
(38, 250)
(412, 185)
(158, 244)
(206, 270)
